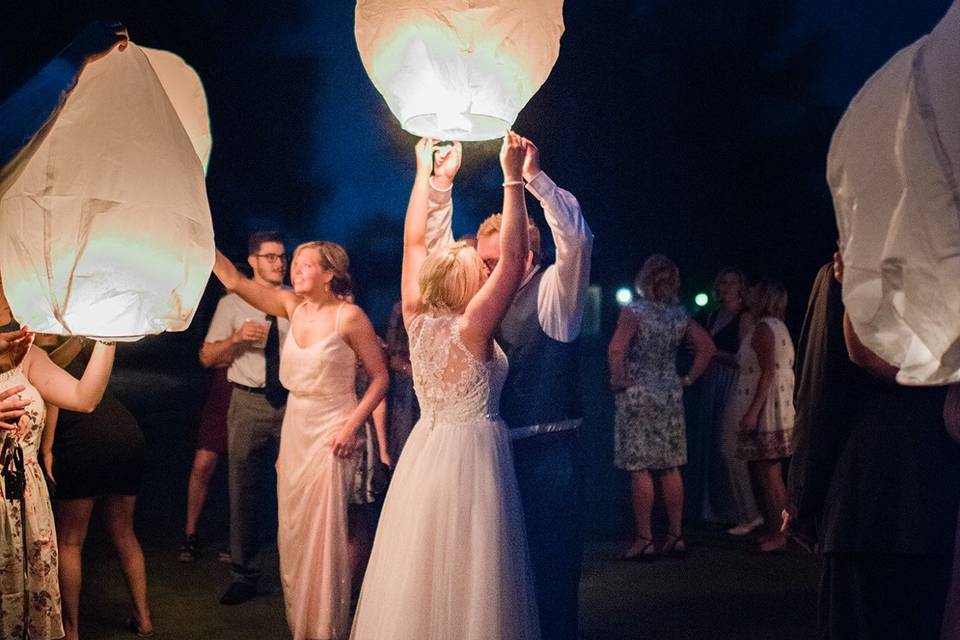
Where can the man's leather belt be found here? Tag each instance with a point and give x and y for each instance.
(243, 387)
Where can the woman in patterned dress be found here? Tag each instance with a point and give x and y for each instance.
(650, 436)
(29, 592)
(763, 406)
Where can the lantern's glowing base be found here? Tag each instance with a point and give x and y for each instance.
(464, 127)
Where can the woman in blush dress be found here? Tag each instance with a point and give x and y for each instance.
(319, 438)
(449, 560)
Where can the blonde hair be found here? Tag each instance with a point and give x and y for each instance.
(331, 257)
(492, 224)
(769, 298)
(658, 279)
(450, 278)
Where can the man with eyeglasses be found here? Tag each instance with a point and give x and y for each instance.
(245, 339)
(540, 400)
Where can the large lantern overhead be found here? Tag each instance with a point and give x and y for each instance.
(458, 69)
(894, 170)
(107, 230)
(185, 90)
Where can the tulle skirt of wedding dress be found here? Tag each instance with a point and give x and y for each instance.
(449, 561)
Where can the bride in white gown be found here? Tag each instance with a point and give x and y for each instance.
(449, 561)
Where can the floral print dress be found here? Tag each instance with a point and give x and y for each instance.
(29, 591)
(650, 432)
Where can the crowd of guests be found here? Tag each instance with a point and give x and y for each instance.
(739, 416)
(873, 467)
(480, 532)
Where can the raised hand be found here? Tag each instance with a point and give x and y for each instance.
(512, 154)
(446, 163)
(424, 153)
(96, 41)
(531, 160)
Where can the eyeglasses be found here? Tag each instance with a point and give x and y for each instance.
(272, 258)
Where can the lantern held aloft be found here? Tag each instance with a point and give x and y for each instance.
(456, 69)
(894, 170)
(107, 231)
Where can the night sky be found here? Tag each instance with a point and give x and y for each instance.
(694, 128)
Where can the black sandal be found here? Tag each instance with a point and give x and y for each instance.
(642, 555)
(670, 548)
(188, 550)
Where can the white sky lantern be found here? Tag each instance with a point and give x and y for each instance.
(107, 231)
(185, 90)
(894, 170)
(455, 69)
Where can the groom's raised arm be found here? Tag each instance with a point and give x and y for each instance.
(563, 290)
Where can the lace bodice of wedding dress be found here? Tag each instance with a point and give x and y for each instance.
(452, 384)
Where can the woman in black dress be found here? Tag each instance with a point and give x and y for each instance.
(96, 456)
(719, 485)
(875, 483)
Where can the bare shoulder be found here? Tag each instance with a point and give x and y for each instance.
(34, 354)
(353, 318)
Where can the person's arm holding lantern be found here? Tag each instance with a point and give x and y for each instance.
(446, 164)
(26, 115)
(272, 301)
(58, 387)
(415, 232)
(563, 289)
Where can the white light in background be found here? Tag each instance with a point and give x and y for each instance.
(624, 296)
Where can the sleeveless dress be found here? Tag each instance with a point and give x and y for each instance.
(313, 486)
(773, 438)
(449, 561)
(649, 426)
(28, 585)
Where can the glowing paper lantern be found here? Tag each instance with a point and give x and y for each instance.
(894, 169)
(185, 90)
(455, 69)
(107, 231)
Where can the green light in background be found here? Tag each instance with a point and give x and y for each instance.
(701, 299)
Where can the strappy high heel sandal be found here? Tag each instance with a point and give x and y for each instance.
(675, 546)
(134, 626)
(643, 555)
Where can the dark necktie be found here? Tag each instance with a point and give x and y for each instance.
(274, 391)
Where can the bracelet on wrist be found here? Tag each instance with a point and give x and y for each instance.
(512, 183)
(107, 343)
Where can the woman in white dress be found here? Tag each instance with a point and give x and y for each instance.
(319, 449)
(449, 561)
